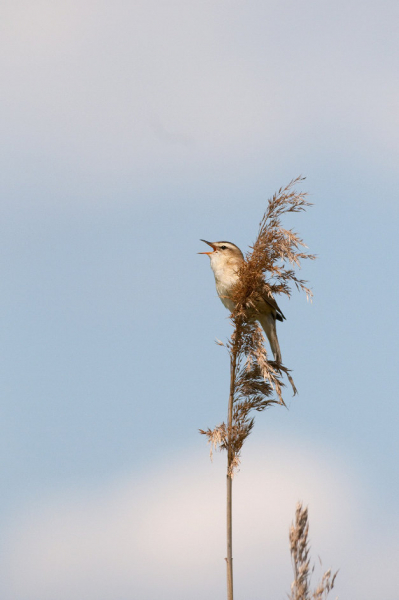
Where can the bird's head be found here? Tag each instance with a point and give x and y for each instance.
(223, 254)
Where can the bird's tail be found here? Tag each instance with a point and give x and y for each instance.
(268, 323)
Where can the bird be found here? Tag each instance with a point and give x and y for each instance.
(226, 261)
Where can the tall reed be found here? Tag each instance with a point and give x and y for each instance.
(255, 381)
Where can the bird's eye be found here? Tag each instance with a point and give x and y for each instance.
(223, 247)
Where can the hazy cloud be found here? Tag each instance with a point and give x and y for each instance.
(164, 532)
(222, 81)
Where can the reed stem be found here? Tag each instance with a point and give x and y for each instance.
(229, 477)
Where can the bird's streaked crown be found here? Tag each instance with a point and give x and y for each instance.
(225, 247)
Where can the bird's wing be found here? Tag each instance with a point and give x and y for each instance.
(271, 302)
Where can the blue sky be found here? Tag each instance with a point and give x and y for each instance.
(130, 131)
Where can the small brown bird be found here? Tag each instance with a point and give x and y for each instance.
(226, 260)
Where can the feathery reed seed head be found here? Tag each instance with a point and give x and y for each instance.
(257, 382)
(300, 550)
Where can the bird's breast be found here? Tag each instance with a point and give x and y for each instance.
(224, 285)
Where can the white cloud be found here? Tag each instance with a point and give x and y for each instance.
(163, 533)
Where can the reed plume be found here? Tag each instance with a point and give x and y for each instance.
(256, 382)
(300, 550)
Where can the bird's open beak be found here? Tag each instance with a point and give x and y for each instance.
(209, 244)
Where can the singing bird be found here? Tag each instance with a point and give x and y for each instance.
(226, 260)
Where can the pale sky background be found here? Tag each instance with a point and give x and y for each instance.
(129, 131)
